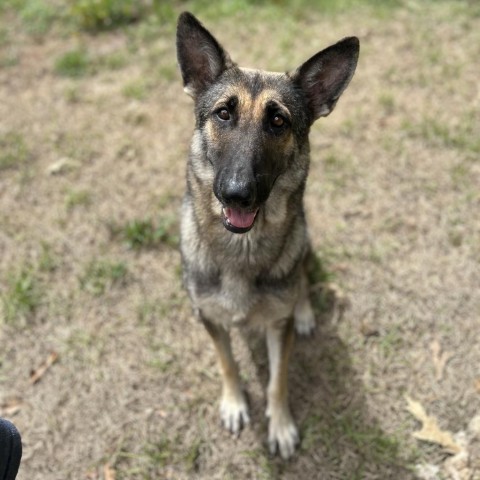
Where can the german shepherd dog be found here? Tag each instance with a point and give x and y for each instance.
(244, 240)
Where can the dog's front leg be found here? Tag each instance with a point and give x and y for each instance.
(282, 431)
(233, 405)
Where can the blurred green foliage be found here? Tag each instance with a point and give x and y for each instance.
(74, 63)
(38, 16)
(107, 14)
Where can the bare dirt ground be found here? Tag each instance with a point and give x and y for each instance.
(393, 202)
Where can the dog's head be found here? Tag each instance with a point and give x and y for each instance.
(254, 122)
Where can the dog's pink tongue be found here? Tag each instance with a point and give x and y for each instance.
(240, 218)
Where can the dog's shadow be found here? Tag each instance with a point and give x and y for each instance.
(340, 438)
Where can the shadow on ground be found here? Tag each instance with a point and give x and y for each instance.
(339, 437)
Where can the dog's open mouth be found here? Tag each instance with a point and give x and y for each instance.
(238, 220)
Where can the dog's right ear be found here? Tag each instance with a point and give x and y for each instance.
(200, 56)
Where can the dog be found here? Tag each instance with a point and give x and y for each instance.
(244, 241)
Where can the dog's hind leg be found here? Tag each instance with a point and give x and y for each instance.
(303, 313)
(282, 431)
(233, 405)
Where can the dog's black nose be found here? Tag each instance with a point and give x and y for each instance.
(238, 193)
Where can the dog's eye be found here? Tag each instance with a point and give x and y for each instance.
(223, 114)
(277, 121)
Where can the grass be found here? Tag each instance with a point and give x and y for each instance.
(267, 470)
(76, 198)
(339, 169)
(101, 275)
(153, 458)
(97, 15)
(75, 63)
(346, 434)
(462, 136)
(74, 148)
(318, 278)
(139, 234)
(387, 102)
(148, 312)
(365, 440)
(22, 296)
(113, 61)
(136, 89)
(47, 262)
(79, 63)
(37, 16)
(13, 150)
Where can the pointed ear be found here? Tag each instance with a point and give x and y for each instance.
(325, 76)
(200, 56)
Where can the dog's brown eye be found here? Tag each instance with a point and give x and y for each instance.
(278, 121)
(223, 114)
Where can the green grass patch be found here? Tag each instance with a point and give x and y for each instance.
(138, 234)
(13, 151)
(348, 430)
(113, 61)
(136, 89)
(76, 198)
(339, 170)
(155, 458)
(74, 64)
(463, 136)
(37, 16)
(277, 9)
(47, 261)
(317, 270)
(318, 278)
(100, 276)
(387, 102)
(97, 15)
(267, 468)
(22, 296)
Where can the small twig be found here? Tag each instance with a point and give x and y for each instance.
(37, 374)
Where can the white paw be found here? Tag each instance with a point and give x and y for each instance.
(234, 412)
(304, 317)
(282, 435)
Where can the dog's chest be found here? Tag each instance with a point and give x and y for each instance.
(238, 300)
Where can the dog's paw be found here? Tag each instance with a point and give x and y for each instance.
(304, 318)
(234, 412)
(282, 435)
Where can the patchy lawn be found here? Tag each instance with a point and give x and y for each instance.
(94, 133)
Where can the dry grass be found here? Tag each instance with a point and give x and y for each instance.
(91, 166)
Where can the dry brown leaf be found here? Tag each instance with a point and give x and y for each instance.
(37, 374)
(108, 472)
(430, 431)
(440, 359)
(477, 385)
(10, 407)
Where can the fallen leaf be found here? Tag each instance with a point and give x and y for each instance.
(10, 407)
(430, 431)
(37, 374)
(440, 359)
(368, 330)
(108, 472)
(63, 165)
(477, 385)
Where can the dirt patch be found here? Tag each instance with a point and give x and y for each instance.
(392, 202)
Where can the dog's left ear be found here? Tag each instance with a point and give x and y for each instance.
(200, 56)
(325, 76)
